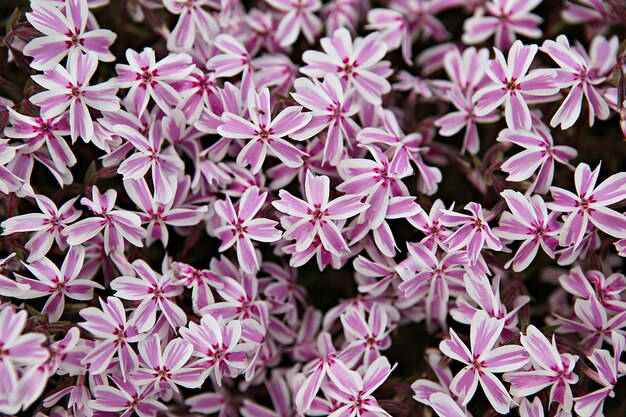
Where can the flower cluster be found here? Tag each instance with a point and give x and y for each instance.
(289, 208)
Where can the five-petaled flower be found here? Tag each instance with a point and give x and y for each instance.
(473, 234)
(69, 87)
(65, 33)
(356, 64)
(241, 227)
(590, 205)
(483, 361)
(155, 292)
(114, 334)
(59, 283)
(218, 345)
(48, 226)
(529, 221)
(148, 78)
(512, 84)
(550, 368)
(265, 133)
(317, 215)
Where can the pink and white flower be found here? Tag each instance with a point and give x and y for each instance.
(218, 345)
(474, 233)
(589, 205)
(155, 292)
(58, 283)
(482, 361)
(529, 221)
(165, 165)
(540, 153)
(317, 216)
(241, 227)
(355, 63)
(550, 369)
(299, 17)
(264, 133)
(581, 73)
(332, 110)
(506, 19)
(118, 225)
(114, 335)
(69, 88)
(166, 364)
(193, 20)
(354, 392)
(127, 399)
(512, 84)
(148, 78)
(18, 351)
(65, 33)
(48, 226)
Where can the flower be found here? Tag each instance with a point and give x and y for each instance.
(429, 224)
(126, 400)
(198, 91)
(394, 30)
(241, 227)
(371, 336)
(354, 392)
(69, 87)
(193, 20)
(36, 131)
(317, 216)
(331, 109)
(164, 165)
(464, 116)
(233, 60)
(398, 208)
(48, 226)
(166, 367)
(218, 346)
(507, 18)
(9, 182)
(550, 368)
(540, 153)
(319, 369)
(581, 74)
(608, 366)
(118, 225)
(593, 323)
(18, 352)
(445, 406)
(512, 84)
(65, 34)
(483, 361)
(148, 78)
(356, 64)
(159, 215)
(265, 133)
(407, 149)
(114, 333)
(299, 17)
(589, 204)
(155, 292)
(420, 15)
(424, 272)
(528, 221)
(58, 283)
(487, 297)
(373, 180)
(474, 233)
